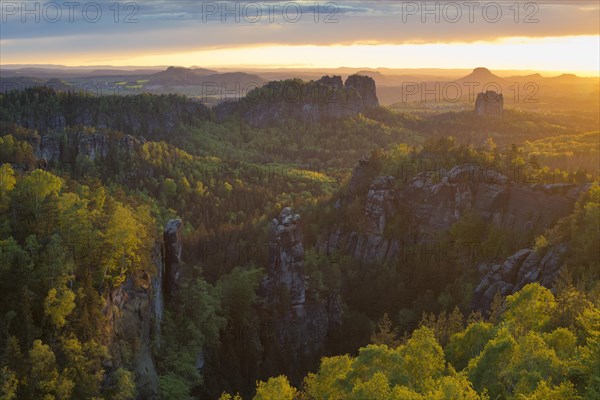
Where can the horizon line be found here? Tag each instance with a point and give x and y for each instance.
(550, 73)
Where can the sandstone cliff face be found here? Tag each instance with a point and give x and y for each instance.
(173, 248)
(426, 205)
(133, 320)
(489, 103)
(65, 148)
(135, 309)
(365, 89)
(326, 98)
(303, 321)
(128, 114)
(522, 268)
(286, 259)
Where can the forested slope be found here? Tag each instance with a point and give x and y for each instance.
(89, 210)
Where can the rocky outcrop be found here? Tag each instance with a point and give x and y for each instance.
(334, 82)
(489, 103)
(365, 88)
(155, 117)
(442, 199)
(134, 312)
(431, 202)
(362, 175)
(158, 298)
(522, 268)
(325, 98)
(382, 204)
(67, 147)
(301, 320)
(286, 259)
(173, 247)
(130, 310)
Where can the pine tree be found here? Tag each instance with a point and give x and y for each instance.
(385, 333)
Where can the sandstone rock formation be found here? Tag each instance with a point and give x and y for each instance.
(432, 202)
(361, 178)
(489, 103)
(131, 115)
(365, 88)
(334, 82)
(66, 147)
(314, 101)
(173, 247)
(286, 258)
(301, 324)
(134, 311)
(130, 311)
(522, 268)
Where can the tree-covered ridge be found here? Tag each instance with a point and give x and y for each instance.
(332, 142)
(560, 153)
(81, 224)
(535, 345)
(45, 109)
(63, 246)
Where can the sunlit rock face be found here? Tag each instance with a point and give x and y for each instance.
(365, 88)
(315, 101)
(489, 103)
(133, 313)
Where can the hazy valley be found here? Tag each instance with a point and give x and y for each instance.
(320, 235)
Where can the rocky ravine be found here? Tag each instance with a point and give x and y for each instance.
(134, 310)
(429, 203)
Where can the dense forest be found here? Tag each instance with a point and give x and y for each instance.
(88, 185)
(533, 345)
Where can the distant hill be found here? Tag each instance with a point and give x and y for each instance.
(483, 76)
(63, 73)
(567, 78)
(523, 89)
(178, 76)
(231, 78)
(119, 72)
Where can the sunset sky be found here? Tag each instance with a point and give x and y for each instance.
(544, 36)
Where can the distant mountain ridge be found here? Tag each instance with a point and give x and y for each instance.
(401, 88)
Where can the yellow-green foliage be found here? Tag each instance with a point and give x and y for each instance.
(501, 360)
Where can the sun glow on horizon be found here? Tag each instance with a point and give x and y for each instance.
(568, 54)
